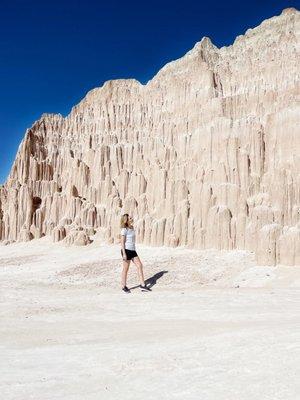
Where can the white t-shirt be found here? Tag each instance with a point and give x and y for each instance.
(129, 238)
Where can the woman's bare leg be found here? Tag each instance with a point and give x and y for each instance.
(139, 266)
(125, 272)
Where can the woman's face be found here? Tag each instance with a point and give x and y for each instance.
(130, 219)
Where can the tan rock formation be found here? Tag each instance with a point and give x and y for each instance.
(206, 154)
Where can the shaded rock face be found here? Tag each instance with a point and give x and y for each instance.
(206, 154)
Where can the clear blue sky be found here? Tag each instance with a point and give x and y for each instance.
(53, 52)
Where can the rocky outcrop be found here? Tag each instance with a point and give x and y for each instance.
(206, 154)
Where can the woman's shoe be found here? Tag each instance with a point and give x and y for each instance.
(145, 288)
(125, 289)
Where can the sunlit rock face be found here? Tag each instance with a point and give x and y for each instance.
(206, 154)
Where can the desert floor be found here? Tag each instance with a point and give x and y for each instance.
(215, 325)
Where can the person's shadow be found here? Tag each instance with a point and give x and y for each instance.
(150, 282)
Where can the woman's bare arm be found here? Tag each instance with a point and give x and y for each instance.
(123, 239)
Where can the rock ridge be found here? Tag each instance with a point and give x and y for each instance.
(205, 154)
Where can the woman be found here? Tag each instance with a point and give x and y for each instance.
(128, 253)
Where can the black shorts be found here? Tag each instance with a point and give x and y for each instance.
(129, 254)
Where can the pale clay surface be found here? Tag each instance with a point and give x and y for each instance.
(215, 326)
(206, 154)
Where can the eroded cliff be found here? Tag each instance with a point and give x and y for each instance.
(206, 154)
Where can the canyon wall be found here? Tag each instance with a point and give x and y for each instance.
(206, 154)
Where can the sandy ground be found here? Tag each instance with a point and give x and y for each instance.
(215, 325)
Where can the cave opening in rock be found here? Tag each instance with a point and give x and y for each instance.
(36, 203)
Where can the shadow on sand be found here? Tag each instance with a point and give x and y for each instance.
(150, 282)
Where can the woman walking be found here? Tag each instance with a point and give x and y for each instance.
(129, 253)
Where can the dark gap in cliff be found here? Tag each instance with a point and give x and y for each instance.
(217, 85)
(214, 81)
(30, 138)
(249, 164)
(36, 203)
(229, 225)
(75, 191)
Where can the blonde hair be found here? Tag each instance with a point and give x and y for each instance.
(124, 221)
